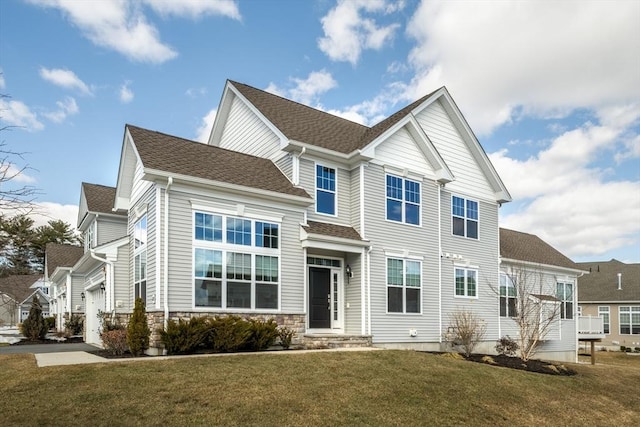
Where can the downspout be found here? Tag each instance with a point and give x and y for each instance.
(363, 284)
(166, 252)
(369, 289)
(296, 166)
(110, 282)
(363, 287)
(440, 262)
(577, 321)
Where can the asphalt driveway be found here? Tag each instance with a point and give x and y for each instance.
(46, 348)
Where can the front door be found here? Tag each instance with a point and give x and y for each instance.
(319, 298)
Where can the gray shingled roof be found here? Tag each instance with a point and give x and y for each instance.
(100, 198)
(333, 230)
(601, 284)
(18, 286)
(176, 155)
(58, 255)
(530, 248)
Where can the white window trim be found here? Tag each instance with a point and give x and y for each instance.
(466, 287)
(631, 311)
(465, 198)
(403, 201)
(563, 301)
(601, 311)
(138, 251)
(508, 278)
(404, 286)
(315, 186)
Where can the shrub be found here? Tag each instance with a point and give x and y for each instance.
(637, 349)
(74, 324)
(466, 330)
(262, 334)
(50, 322)
(229, 333)
(623, 348)
(286, 336)
(34, 326)
(115, 341)
(109, 324)
(507, 346)
(138, 330)
(183, 337)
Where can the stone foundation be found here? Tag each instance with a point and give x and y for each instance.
(318, 341)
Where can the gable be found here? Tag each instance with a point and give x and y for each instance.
(402, 151)
(129, 160)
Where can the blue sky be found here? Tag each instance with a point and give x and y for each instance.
(551, 89)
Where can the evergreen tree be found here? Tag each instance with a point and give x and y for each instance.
(138, 330)
(34, 327)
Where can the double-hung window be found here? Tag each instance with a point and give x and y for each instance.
(565, 295)
(466, 282)
(464, 214)
(325, 190)
(236, 262)
(403, 285)
(89, 237)
(403, 200)
(604, 312)
(508, 300)
(630, 320)
(140, 259)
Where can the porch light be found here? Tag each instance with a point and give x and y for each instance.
(102, 287)
(349, 273)
(82, 295)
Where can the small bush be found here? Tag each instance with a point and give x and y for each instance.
(507, 346)
(115, 342)
(465, 330)
(262, 335)
(286, 336)
(637, 349)
(183, 337)
(229, 333)
(50, 322)
(623, 348)
(138, 330)
(75, 324)
(34, 326)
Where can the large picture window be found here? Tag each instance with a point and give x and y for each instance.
(403, 200)
(604, 312)
(630, 320)
(508, 300)
(466, 282)
(464, 214)
(403, 285)
(140, 259)
(237, 269)
(325, 190)
(565, 295)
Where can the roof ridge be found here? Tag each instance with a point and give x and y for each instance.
(97, 185)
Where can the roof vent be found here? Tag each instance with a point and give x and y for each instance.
(619, 281)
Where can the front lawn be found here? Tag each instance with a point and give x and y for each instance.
(323, 388)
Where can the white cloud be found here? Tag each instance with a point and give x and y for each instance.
(16, 113)
(66, 107)
(116, 25)
(539, 58)
(306, 91)
(64, 78)
(204, 131)
(13, 173)
(2, 83)
(196, 92)
(195, 9)
(347, 32)
(47, 211)
(125, 93)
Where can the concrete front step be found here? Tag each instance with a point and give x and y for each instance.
(318, 341)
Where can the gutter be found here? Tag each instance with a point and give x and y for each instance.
(440, 262)
(166, 252)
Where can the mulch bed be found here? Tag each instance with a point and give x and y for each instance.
(532, 365)
(108, 355)
(71, 340)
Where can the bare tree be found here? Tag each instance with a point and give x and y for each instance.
(465, 330)
(527, 297)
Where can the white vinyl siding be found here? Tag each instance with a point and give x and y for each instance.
(110, 229)
(146, 206)
(343, 199)
(401, 151)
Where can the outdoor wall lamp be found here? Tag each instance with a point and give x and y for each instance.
(349, 273)
(82, 295)
(102, 287)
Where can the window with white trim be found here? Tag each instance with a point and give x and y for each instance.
(604, 311)
(403, 200)
(325, 190)
(508, 300)
(89, 237)
(629, 320)
(466, 282)
(237, 269)
(140, 259)
(565, 294)
(464, 214)
(403, 285)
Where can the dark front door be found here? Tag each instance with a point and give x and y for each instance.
(319, 298)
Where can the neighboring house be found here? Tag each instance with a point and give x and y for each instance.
(551, 279)
(83, 277)
(611, 291)
(337, 230)
(13, 291)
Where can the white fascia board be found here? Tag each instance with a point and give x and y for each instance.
(544, 267)
(321, 241)
(85, 264)
(110, 249)
(123, 194)
(59, 272)
(221, 116)
(321, 152)
(154, 174)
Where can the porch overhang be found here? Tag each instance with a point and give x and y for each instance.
(331, 237)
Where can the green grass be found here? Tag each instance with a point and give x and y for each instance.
(323, 388)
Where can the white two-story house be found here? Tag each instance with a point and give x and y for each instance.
(335, 229)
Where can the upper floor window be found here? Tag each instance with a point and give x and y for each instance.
(239, 231)
(403, 200)
(325, 190)
(466, 283)
(464, 217)
(603, 311)
(208, 227)
(266, 235)
(140, 259)
(89, 237)
(630, 320)
(565, 295)
(403, 286)
(508, 300)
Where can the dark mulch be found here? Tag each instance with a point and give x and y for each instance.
(532, 365)
(108, 355)
(70, 340)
